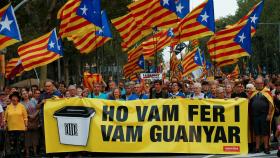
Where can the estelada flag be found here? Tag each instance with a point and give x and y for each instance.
(200, 22)
(89, 80)
(79, 16)
(93, 39)
(40, 51)
(9, 31)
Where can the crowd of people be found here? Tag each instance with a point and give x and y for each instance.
(21, 109)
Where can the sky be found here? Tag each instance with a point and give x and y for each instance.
(222, 8)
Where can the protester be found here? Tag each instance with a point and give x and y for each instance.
(176, 93)
(128, 92)
(50, 92)
(16, 123)
(79, 92)
(239, 91)
(228, 90)
(197, 91)
(220, 93)
(261, 107)
(116, 94)
(138, 93)
(157, 92)
(250, 88)
(97, 92)
(32, 134)
(213, 91)
(73, 91)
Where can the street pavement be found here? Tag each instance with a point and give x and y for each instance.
(258, 155)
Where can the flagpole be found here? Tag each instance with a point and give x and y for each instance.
(170, 55)
(37, 76)
(20, 4)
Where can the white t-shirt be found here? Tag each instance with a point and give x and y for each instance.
(200, 96)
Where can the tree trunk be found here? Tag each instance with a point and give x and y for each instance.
(43, 75)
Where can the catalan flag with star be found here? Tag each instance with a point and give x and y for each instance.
(232, 43)
(9, 30)
(200, 22)
(40, 51)
(191, 62)
(94, 39)
(79, 17)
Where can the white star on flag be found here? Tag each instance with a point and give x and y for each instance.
(195, 58)
(51, 44)
(179, 8)
(242, 37)
(140, 62)
(254, 18)
(166, 2)
(6, 24)
(84, 9)
(204, 16)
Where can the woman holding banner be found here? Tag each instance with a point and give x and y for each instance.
(16, 122)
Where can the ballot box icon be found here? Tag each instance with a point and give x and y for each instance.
(74, 124)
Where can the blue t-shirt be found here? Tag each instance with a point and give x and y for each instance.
(100, 96)
(136, 97)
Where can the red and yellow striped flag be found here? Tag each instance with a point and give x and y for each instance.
(89, 42)
(227, 62)
(128, 29)
(198, 23)
(222, 46)
(40, 51)
(73, 24)
(9, 33)
(156, 43)
(159, 16)
(89, 80)
(189, 64)
(174, 63)
(235, 73)
(94, 39)
(139, 9)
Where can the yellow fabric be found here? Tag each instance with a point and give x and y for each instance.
(265, 92)
(16, 116)
(164, 119)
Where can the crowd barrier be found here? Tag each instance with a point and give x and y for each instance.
(209, 126)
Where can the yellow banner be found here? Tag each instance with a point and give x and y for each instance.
(147, 126)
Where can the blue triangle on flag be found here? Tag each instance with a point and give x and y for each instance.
(243, 38)
(168, 4)
(197, 58)
(141, 62)
(54, 44)
(255, 15)
(8, 25)
(91, 11)
(207, 17)
(182, 8)
(105, 30)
